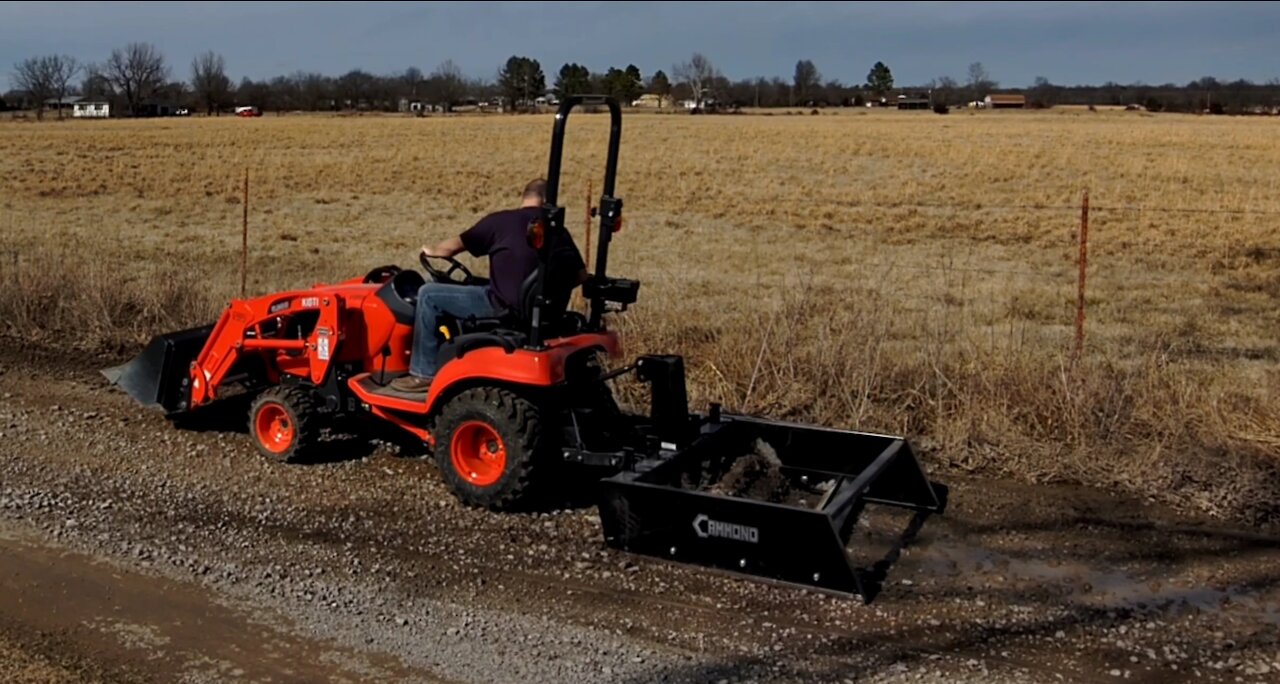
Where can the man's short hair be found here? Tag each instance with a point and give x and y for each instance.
(536, 188)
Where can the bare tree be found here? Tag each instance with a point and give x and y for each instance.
(210, 82)
(412, 79)
(62, 70)
(447, 85)
(315, 91)
(979, 80)
(136, 72)
(285, 93)
(30, 75)
(95, 85)
(807, 80)
(698, 73)
(45, 78)
(355, 89)
(977, 73)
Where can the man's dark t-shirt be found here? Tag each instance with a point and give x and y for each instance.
(503, 237)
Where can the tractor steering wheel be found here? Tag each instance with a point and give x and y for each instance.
(446, 276)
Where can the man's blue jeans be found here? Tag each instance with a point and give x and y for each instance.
(434, 299)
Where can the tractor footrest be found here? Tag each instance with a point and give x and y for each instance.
(382, 387)
(716, 504)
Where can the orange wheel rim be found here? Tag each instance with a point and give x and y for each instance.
(478, 454)
(273, 427)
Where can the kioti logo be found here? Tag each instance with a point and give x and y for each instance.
(706, 527)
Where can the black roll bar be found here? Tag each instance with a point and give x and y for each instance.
(553, 214)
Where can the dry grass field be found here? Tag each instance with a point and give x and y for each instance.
(890, 271)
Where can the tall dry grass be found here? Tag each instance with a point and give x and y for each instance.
(1189, 436)
(893, 272)
(61, 299)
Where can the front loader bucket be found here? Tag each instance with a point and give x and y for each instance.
(664, 507)
(157, 378)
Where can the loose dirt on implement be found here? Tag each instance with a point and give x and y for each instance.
(757, 475)
(128, 541)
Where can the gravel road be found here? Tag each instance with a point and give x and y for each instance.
(136, 551)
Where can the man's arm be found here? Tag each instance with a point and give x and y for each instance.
(445, 248)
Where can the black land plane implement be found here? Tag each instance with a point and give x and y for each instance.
(523, 403)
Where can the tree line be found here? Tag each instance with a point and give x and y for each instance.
(134, 76)
(1206, 94)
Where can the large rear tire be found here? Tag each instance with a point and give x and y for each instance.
(283, 423)
(491, 448)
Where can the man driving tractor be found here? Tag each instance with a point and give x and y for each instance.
(503, 237)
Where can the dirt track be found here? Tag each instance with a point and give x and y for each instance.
(134, 551)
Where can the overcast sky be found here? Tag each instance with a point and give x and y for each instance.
(1067, 42)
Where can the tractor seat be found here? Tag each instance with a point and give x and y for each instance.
(510, 328)
(399, 291)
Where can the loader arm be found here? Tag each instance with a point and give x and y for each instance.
(260, 326)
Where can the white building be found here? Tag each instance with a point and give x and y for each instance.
(91, 109)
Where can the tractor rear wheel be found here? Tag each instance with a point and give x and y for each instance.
(283, 423)
(490, 446)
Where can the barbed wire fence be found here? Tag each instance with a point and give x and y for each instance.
(1175, 257)
(1073, 218)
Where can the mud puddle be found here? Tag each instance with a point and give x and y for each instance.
(71, 608)
(1094, 587)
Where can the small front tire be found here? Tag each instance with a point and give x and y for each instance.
(283, 423)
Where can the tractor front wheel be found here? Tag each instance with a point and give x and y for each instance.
(282, 422)
(490, 445)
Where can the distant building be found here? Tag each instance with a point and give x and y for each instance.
(1005, 102)
(707, 103)
(80, 107)
(652, 100)
(157, 108)
(91, 109)
(57, 104)
(913, 103)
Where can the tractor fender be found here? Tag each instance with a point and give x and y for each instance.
(519, 368)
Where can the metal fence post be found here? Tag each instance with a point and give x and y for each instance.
(1083, 261)
(244, 243)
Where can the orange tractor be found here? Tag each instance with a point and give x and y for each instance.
(522, 398)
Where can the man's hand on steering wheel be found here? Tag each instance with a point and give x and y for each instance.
(445, 276)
